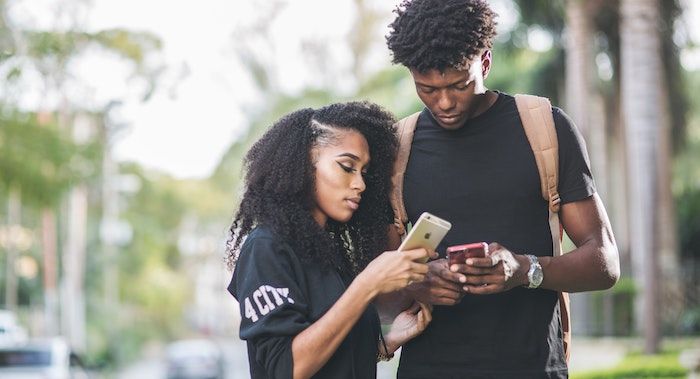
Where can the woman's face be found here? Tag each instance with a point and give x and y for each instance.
(340, 167)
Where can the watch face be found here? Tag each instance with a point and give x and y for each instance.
(537, 277)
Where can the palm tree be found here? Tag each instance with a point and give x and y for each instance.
(644, 112)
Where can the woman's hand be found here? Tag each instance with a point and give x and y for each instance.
(394, 270)
(408, 324)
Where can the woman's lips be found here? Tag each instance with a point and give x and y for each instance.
(353, 203)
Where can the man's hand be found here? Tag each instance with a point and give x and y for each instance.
(441, 286)
(499, 271)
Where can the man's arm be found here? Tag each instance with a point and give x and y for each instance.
(593, 265)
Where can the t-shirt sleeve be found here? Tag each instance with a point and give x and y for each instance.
(575, 178)
(272, 304)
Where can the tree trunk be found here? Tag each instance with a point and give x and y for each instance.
(14, 218)
(48, 246)
(579, 61)
(644, 114)
(73, 294)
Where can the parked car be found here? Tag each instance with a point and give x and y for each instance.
(11, 332)
(39, 359)
(194, 359)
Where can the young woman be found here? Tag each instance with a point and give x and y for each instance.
(305, 245)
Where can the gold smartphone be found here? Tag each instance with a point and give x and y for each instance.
(427, 233)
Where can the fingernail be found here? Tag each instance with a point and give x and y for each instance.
(462, 279)
(453, 268)
(470, 261)
(465, 288)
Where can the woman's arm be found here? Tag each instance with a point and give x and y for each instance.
(313, 347)
(407, 325)
(392, 270)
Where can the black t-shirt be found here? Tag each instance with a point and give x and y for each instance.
(280, 296)
(483, 179)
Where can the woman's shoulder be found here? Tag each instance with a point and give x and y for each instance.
(264, 243)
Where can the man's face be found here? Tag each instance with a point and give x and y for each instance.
(450, 95)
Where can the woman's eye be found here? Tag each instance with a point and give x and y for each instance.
(346, 168)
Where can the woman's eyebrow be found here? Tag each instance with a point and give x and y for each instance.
(349, 155)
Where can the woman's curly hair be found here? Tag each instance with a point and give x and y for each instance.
(280, 187)
(439, 34)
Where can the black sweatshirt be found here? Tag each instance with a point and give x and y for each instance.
(280, 296)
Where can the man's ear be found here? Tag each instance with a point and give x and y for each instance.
(486, 63)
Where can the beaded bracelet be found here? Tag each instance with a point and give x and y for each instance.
(385, 356)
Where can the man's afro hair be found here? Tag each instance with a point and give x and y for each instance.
(439, 34)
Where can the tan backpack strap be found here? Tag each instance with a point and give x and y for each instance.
(404, 130)
(536, 116)
(538, 123)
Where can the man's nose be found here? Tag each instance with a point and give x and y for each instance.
(445, 102)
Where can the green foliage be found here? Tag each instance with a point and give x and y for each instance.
(41, 160)
(686, 186)
(132, 46)
(664, 365)
(61, 46)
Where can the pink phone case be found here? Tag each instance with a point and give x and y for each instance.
(459, 254)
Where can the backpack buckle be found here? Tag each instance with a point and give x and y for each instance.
(400, 228)
(554, 202)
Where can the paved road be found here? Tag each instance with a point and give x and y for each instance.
(587, 354)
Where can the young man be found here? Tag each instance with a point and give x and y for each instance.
(471, 163)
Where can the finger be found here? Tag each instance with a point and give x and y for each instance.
(480, 280)
(414, 308)
(483, 262)
(470, 270)
(484, 290)
(416, 254)
(424, 319)
(419, 267)
(416, 277)
(448, 275)
(426, 310)
(434, 254)
(445, 301)
(440, 283)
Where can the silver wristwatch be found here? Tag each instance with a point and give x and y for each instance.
(534, 274)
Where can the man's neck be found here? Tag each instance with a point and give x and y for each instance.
(482, 103)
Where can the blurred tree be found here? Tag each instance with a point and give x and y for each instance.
(645, 115)
(51, 54)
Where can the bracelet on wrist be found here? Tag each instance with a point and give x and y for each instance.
(385, 355)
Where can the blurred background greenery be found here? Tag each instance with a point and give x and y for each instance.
(119, 257)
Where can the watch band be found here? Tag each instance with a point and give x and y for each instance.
(534, 274)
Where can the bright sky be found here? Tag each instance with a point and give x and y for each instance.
(185, 131)
(200, 107)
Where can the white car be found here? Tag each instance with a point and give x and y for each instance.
(41, 359)
(194, 359)
(11, 332)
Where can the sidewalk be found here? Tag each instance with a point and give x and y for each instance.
(586, 354)
(596, 353)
